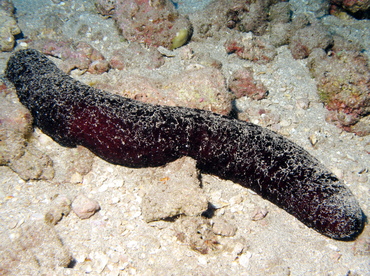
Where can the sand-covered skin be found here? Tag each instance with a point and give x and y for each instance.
(118, 241)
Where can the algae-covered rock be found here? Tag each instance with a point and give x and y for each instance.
(343, 86)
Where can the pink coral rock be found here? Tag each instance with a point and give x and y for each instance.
(85, 207)
(251, 47)
(151, 22)
(243, 84)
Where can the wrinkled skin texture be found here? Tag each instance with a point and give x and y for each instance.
(130, 133)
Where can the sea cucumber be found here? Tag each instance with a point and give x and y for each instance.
(135, 134)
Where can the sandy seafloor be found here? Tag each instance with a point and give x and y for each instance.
(117, 240)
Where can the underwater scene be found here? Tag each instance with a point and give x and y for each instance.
(184, 137)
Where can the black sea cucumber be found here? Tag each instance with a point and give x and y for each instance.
(135, 134)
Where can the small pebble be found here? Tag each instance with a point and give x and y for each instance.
(88, 269)
(103, 188)
(244, 259)
(285, 123)
(238, 249)
(76, 178)
(338, 172)
(303, 103)
(85, 207)
(223, 228)
(60, 206)
(313, 139)
(115, 200)
(165, 52)
(117, 183)
(101, 261)
(259, 213)
(23, 44)
(202, 260)
(236, 200)
(363, 178)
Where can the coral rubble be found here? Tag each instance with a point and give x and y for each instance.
(343, 81)
(251, 47)
(8, 26)
(153, 23)
(79, 55)
(242, 83)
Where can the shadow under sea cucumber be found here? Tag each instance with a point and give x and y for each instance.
(135, 134)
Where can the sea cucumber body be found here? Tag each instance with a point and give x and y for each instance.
(135, 134)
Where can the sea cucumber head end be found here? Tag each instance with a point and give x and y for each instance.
(341, 217)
